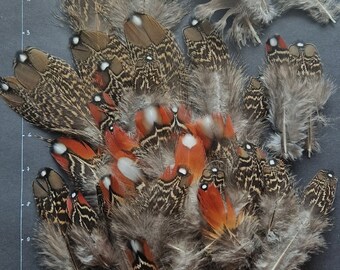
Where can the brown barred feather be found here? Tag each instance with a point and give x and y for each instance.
(45, 85)
(50, 194)
(320, 192)
(255, 100)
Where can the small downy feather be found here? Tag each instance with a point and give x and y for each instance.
(169, 239)
(217, 81)
(290, 244)
(229, 231)
(248, 17)
(52, 248)
(297, 92)
(95, 249)
(323, 11)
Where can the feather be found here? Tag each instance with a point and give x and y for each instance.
(323, 11)
(290, 244)
(95, 249)
(256, 100)
(50, 194)
(297, 91)
(248, 170)
(132, 224)
(217, 82)
(229, 237)
(39, 74)
(320, 192)
(248, 17)
(243, 20)
(85, 14)
(79, 160)
(53, 249)
(167, 13)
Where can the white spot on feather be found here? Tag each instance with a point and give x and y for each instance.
(4, 87)
(214, 170)
(151, 115)
(136, 20)
(272, 162)
(194, 22)
(273, 42)
(204, 186)
(75, 40)
(248, 147)
(174, 109)
(59, 148)
(300, 44)
(189, 141)
(97, 98)
(43, 173)
(128, 168)
(182, 171)
(73, 195)
(330, 175)
(107, 182)
(149, 58)
(22, 57)
(104, 65)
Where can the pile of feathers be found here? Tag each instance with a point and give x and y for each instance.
(175, 161)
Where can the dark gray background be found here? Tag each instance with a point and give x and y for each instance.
(31, 23)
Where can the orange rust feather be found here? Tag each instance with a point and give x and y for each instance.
(192, 158)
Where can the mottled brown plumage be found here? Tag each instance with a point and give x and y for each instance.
(166, 154)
